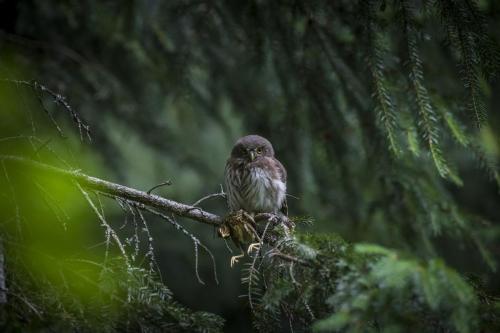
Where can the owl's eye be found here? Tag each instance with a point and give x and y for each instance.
(259, 151)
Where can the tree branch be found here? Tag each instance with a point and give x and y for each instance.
(139, 198)
(121, 191)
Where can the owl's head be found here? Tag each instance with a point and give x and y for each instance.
(252, 147)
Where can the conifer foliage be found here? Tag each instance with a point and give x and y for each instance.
(380, 110)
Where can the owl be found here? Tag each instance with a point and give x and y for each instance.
(255, 181)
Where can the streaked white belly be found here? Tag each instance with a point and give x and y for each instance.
(257, 192)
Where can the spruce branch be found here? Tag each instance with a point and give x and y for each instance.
(464, 36)
(427, 117)
(488, 50)
(385, 107)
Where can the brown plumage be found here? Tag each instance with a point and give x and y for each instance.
(255, 180)
(255, 183)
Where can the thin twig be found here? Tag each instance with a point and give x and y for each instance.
(36, 150)
(291, 258)
(14, 199)
(213, 195)
(105, 224)
(25, 301)
(58, 99)
(166, 183)
(150, 254)
(196, 241)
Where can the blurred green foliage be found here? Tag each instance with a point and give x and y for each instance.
(58, 278)
(380, 111)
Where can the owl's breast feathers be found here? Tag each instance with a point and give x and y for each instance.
(257, 187)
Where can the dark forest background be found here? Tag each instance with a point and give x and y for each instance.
(383, 112)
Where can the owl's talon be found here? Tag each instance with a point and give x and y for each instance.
(253, 246)
(235, 259)
(249, 218)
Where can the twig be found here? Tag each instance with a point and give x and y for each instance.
(167, 183)
(52, 205)
(38, 94)
(58, 99)
(25, 301)
(3, 277)
(171, 220)
(291, 258)
(195, 240)
(213, 195)
(14, 199)
(292, 196)
(134, 239)
(105, 224)
(150, 254)
(36, 151)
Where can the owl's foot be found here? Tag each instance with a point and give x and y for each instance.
(253, 246)
(247, 216)
(235, 259)
(224, 231)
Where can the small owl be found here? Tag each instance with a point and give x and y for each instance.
(255, 179)
(255, 183)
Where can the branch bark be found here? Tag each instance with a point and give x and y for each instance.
(121, 191)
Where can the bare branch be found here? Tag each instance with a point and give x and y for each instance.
(120, 191)
(139, 199)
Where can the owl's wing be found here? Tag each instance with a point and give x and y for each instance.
(282, 174)
(229, 183)
(281, 170)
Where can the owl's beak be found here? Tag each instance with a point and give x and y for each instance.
(252, 155)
